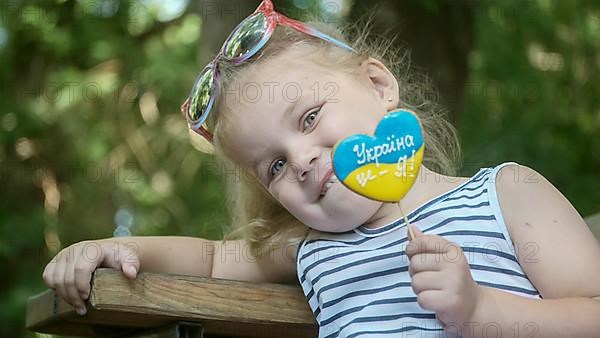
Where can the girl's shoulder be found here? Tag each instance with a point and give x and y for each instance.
(548, 232)
(521, 193)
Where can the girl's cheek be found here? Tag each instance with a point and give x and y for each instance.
(332, 129)
(274, 191)
(282, 194)
(288, 203)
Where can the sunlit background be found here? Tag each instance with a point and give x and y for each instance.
(93, 143)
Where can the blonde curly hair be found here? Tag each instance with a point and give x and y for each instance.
(256, 216)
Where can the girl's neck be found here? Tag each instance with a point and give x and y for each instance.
(428, 184)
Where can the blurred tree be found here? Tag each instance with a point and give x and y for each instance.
(91, 134)
(531, 95)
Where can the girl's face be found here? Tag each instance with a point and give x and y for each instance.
(287, 116)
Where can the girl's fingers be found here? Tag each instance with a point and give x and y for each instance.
(428, 243)
(131, 258)
(47, 275)
(83, 276)
(69, 273)
(73, 297)
(427, 280)
(430, 299)
(416, 231)
(59, 279)
(110, 256)
(125, 260)
(130, 263)
(129, 270)
(425, 262)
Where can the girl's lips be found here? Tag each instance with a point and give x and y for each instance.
(328, 180)
(324, 180)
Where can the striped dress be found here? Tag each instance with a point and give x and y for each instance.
(357, 282)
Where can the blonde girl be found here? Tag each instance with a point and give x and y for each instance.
(502, 252)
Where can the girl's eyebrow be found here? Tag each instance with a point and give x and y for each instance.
(288, 113)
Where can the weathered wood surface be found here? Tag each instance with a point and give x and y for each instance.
(224, 307)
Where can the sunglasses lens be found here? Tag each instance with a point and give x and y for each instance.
(246, 37)
(201, 96)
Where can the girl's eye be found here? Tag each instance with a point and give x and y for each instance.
(276, 167)
(310, 118)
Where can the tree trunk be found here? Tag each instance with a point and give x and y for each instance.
(439, 35)
(218, 20)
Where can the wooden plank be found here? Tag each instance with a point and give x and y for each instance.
(223, 306)
(48, 313)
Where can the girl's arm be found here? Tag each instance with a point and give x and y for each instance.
(218, 259)
(233, 260)
(70, 271)
(164, 254)
(558, 253)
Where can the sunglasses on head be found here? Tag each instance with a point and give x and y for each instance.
(248, 37)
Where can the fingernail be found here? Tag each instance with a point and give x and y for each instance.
(81, 311)
(133, 270)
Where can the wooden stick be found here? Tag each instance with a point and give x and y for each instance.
(411, 234)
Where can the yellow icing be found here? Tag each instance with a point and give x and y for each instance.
(385, 182)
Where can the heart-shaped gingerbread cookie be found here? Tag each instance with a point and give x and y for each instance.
(382, 167)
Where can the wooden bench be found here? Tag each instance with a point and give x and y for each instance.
(159, 305)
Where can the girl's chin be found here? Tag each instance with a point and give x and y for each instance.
(346, 209)
(343, 198)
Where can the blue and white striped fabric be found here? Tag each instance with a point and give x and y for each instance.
(357, 282)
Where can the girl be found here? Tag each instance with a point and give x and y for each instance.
(502, 250)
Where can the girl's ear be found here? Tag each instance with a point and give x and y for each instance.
(382, 81)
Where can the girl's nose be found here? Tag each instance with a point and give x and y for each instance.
(304, 172)
(306, 163)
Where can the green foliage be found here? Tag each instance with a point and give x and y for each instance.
(532, 94)
(90, 125)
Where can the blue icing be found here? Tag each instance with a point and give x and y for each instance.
(399, 124)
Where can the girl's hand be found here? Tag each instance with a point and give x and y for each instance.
(441, 279)
(69, 273)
